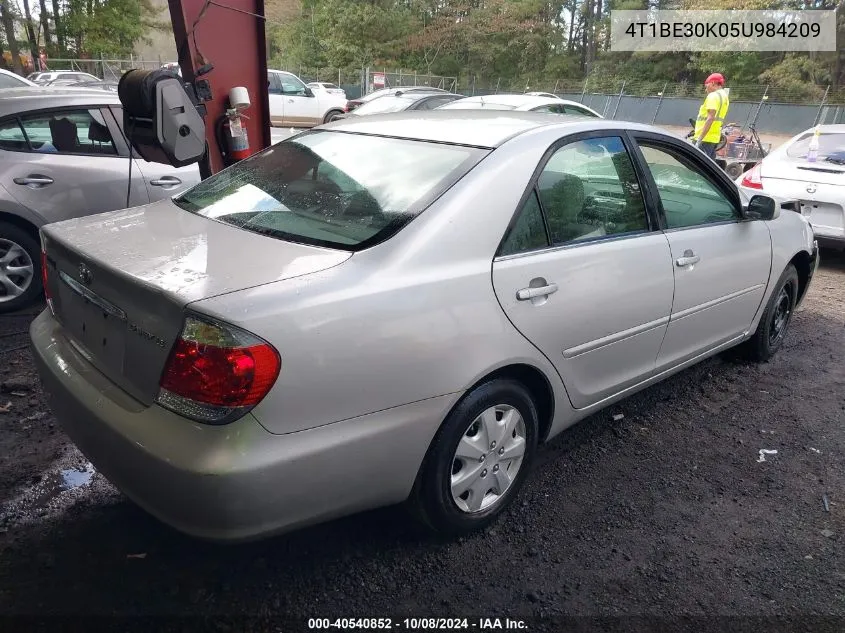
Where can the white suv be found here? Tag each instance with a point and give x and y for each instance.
(294, 104)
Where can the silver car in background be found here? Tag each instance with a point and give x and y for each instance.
(522, 103)
(63, 155)
(818, 186)
(399, 308)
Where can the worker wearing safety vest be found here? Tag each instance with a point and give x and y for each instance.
(711, 115)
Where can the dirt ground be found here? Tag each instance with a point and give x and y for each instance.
(667, 512)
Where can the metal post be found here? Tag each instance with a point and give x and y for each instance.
(498, 81)
(557, 83)
(760, 105)
(659, 102)
(621, 92)
(821, 105)
(473, 85)
(584, 91)
(415, 77)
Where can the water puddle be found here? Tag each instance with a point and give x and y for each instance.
(74, 478)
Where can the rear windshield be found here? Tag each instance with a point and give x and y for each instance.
(383, 105)
(476, 105)
(330, 188)
(831, 146)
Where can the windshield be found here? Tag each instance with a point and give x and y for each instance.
(335, 189)
(831, 147)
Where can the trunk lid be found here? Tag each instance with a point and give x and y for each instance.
(120, 281)
(819, 186)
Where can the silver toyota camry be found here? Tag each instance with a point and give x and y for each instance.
(399, 308)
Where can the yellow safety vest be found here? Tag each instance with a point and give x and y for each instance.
(718, 101)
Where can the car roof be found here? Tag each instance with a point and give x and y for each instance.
(478, 128)
(16, 100)
(515, 100)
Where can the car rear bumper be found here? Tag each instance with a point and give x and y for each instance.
(238, 481)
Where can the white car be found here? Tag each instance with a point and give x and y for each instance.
(13, 80)
(294, 104)
(47, 77)
(818, 186)
(522, 102)
(332, 89)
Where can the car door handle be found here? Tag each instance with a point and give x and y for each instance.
(532, 293)
(688, 259)
(166, 181)
(34, 181)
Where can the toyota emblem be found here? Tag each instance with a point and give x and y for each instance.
(85, 275)
(811, 188)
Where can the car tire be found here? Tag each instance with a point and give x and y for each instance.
(13, 237)
(330, 115)
(777, 316)
(438, 500)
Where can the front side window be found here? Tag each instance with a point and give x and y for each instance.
(345, 191)
(687, 195)
(63, 132)
(292, 86)
(589, 190)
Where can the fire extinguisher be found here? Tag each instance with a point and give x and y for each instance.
(234, 144)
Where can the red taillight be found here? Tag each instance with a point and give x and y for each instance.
(217, 372)
(752, 178)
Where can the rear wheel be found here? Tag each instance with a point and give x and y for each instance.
(20, 268)
(775, 321)
(479, 459)
(332, 115)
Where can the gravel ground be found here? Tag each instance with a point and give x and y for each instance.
(663, 513)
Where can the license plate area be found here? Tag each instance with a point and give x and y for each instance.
(95, 324)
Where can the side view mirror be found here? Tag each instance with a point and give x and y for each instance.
(309, 92)
(761, 208)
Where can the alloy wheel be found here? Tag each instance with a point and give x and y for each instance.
(16, 270)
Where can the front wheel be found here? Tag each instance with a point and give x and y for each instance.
(479, 459)
(776, 318)
(332, 115)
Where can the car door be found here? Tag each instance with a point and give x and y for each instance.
(584, 271)
(161, 180)
(720, 261)
(301, 106)
(65, 163)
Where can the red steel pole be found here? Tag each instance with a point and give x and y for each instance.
(228, 34)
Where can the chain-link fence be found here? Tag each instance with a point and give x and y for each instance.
(771, 109)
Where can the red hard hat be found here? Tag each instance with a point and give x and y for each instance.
(715, 78)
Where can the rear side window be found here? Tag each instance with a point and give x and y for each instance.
(69, 132)
(334, 189)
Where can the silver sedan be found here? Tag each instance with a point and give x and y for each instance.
(399, 308)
